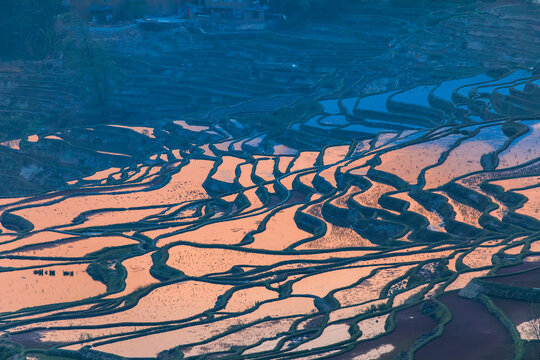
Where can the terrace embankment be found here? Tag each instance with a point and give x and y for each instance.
(146, 242)
(375, 225)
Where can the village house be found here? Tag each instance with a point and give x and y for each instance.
(235, 9)
(237, 14)
(107, 11)
(208, 14)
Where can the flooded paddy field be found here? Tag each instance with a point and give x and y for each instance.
(205, 254)
(393, 220)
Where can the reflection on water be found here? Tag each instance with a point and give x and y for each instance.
(41, 286)
(210, 251)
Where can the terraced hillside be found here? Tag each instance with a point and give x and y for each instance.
(395, 219)
(135, 77)
(242, 246)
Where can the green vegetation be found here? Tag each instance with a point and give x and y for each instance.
(18, 125)
(260, 228)
(7, 350)
(16, 223)
(326, 9)
(90, 59)
(135, 9)
(276, 122)
(40, 356)
(112, 275)
(27, 28)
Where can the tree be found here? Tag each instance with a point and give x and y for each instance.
(135, 9)
(90, 60)
(27, 28)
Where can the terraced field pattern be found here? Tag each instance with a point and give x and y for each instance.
(399, 224)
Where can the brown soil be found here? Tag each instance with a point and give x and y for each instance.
(410, 325)
(472, 334)
(527, 279)
(518, 311)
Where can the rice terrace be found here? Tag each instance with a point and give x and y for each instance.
(277, 179)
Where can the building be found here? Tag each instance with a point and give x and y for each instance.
(225, 11)
(218, 14)
(107, 11)
(235, 9)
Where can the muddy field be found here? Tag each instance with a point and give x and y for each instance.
(384, 220)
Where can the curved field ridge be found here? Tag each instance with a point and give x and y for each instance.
(219, 212)
(224, 248)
